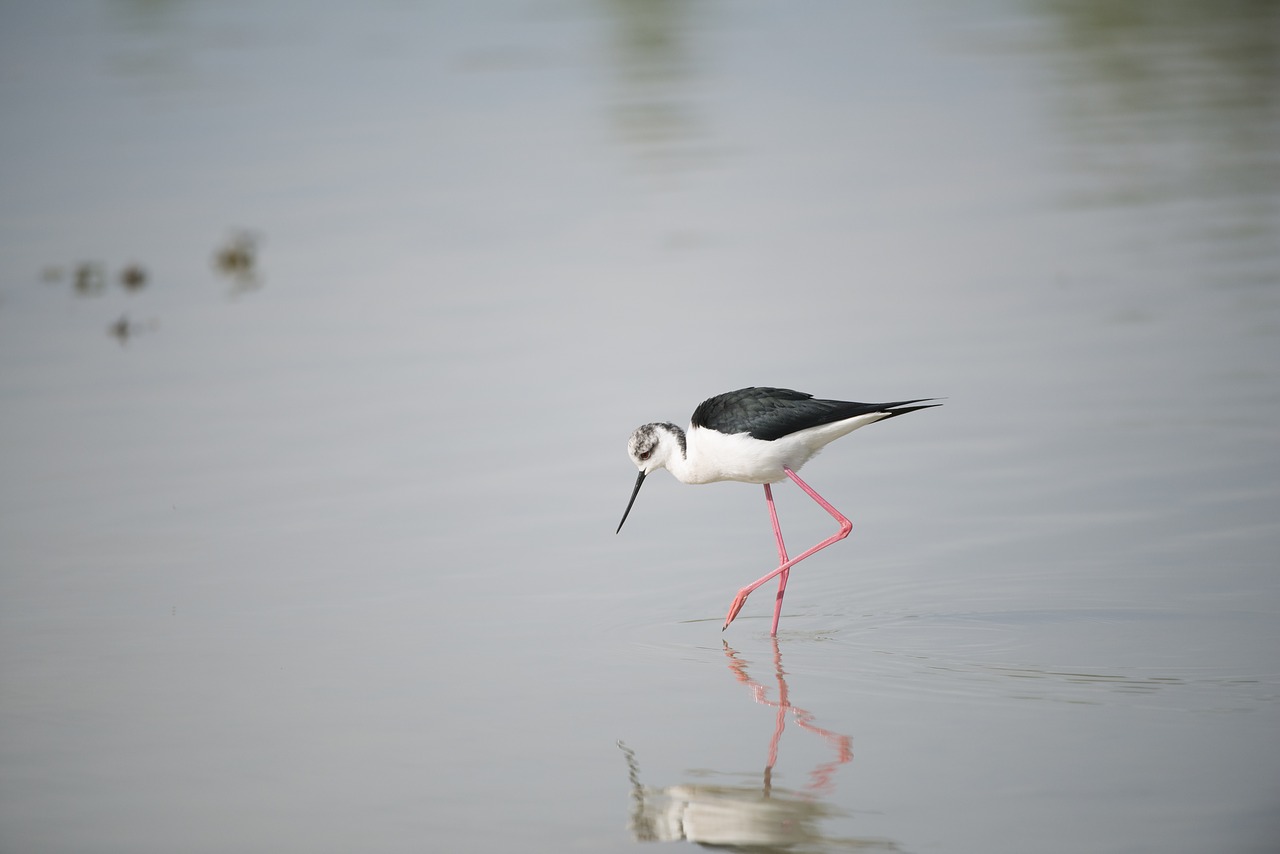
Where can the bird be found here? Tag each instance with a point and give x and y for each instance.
(757, 435)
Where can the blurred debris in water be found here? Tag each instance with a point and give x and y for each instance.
(89, 279)
(237, 259)
(124, 328)
(133, 277)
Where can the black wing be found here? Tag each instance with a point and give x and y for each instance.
(771, 413)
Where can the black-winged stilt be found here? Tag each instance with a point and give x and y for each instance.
(757, 435)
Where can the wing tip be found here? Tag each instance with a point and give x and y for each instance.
(902, 407)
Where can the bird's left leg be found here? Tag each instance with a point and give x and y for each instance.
(782, 558)
(845, 527)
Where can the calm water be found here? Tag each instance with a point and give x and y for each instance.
(323, 327)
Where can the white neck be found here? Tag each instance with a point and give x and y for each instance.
(675, 453)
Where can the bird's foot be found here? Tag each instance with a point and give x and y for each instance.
(738, 602)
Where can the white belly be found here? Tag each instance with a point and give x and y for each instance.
(713, 456)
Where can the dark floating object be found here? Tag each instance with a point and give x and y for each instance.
(237, 256)
(89, 279)
(124, 329)
(133, 277)
(121, 329)
(238, 260)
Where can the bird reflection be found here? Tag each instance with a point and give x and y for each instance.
(761, 817)
(842, 745)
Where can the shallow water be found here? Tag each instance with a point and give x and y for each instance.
(307, 539)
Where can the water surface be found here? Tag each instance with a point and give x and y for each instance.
(307, 536)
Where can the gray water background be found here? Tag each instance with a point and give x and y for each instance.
(313, 549)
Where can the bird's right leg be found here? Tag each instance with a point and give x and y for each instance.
(782, 558)
(845, 527)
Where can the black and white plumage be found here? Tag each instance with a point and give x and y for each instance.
(752, 434)
(755, 435)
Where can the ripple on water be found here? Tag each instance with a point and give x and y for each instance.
(1089, 656)
(1141, 657)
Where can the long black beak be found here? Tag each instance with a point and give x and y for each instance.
(634, 493)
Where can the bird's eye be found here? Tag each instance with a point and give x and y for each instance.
(644, 455)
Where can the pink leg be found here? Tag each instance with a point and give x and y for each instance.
(782, 558)
(845, 527)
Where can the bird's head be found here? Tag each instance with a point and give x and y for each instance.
(650, 447)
